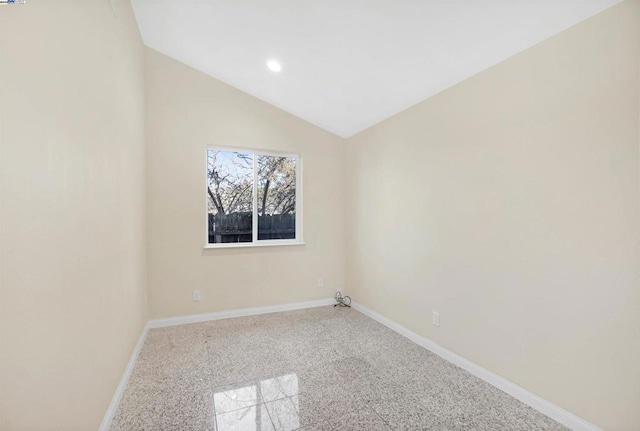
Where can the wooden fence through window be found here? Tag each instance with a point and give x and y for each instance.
(237, 227)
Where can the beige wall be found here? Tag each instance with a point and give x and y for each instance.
(509, 203)
(186, 111)
(72, 275)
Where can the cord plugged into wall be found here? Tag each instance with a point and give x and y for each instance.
(342, 301)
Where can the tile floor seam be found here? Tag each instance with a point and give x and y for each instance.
(240, 408)
(379, 417)
(273, 424)
(211, 371)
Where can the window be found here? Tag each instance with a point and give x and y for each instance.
(253, 198)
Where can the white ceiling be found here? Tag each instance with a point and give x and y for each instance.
(349, 64)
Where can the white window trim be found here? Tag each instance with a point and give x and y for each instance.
(255, 243)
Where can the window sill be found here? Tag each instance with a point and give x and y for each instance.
(251, 244)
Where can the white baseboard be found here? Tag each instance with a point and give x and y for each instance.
(556, 413)
(196, 318)
(115, 401)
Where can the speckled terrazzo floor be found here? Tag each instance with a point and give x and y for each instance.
(321, 369)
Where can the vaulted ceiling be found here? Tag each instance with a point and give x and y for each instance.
(349, 64)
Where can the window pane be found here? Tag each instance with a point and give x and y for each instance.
(276, 197)
(230, 196)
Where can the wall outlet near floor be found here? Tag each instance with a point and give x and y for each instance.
(435, 319)
(340, 290)
(195, 295)
(320, 283)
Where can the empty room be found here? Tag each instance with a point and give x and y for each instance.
(278, 215)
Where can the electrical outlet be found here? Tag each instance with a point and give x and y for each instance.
(340, 290)
(195, 295)
(320, 283)
(435, 319)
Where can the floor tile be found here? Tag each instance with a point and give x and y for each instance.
(234, 397)
(407, 414)
(317, 369)
(516, 416)
(320, 426)
(364, 419)
(254, 418)
(301, 411)
(279, 387)
(286, 416)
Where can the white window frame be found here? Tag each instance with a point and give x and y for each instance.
(254, 240)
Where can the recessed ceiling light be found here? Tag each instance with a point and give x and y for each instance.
(274, 66)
